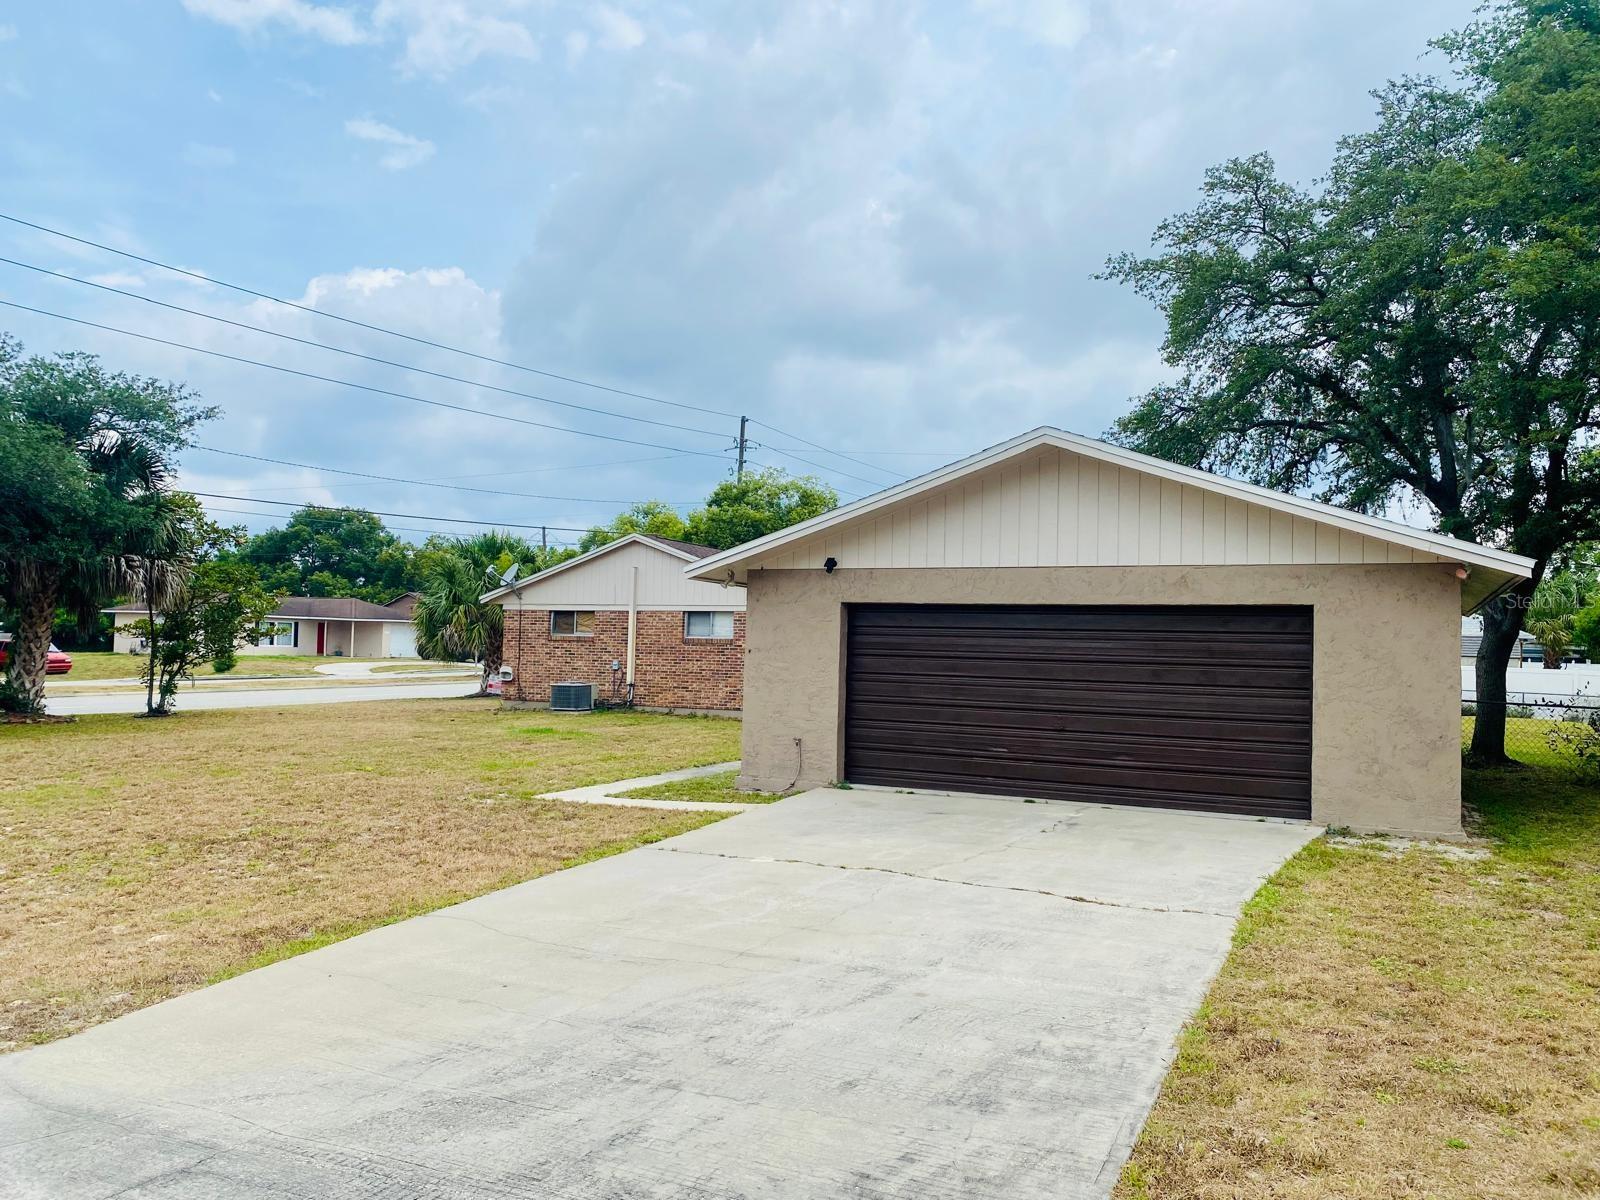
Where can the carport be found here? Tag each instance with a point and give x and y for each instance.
(1061, 618)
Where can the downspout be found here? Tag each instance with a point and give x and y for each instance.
(633, 629)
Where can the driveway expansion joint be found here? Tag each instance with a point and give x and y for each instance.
(997, 887)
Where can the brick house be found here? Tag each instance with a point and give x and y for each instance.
(572, 624)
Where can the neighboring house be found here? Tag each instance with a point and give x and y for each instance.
(1062, 618)
(1527, 650)
(320, 625)
(626, 619)
(1527, 653)
(404, 604)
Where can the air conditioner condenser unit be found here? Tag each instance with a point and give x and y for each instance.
(572, 697)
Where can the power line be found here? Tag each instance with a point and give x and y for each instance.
(424, 482)
(421, 341)
(873, 483)
(371, 358)
(825, 450)
(616, 462)
(875, 453)
(376, 513)
(245, 512)
(332, 316)
(362, 387)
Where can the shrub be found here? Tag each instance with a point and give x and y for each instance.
(1578, 736)
(14, 699)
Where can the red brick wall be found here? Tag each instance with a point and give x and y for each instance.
(670, 670)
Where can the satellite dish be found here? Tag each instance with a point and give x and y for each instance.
(509, 575)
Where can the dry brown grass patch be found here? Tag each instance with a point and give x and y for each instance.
(140, 859)
(1394, 1026)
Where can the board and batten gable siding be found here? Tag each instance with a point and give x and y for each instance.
(1054, 508)
(605, 580)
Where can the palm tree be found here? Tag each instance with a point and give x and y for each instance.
(86, 455)
(1551, 616)
(134, 472)
(453, 623)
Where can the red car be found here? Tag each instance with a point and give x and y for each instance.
(59, 662)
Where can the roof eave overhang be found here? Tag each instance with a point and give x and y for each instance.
(731, 565)
(499, 594)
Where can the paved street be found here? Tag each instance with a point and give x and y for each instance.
(263, 697)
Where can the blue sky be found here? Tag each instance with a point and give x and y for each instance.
(872, 225)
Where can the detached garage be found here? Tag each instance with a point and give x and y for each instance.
(1064, 619)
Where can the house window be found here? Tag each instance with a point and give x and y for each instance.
(717, 626)
(571, 623)
(279, 633)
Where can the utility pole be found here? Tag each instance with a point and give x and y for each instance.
(544, 539)
(739, 473)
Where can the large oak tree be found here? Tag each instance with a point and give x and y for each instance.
(1423, 324)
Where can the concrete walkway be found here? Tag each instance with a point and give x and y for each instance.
(843, 994)
(611, 793)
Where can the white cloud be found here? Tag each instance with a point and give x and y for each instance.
(8, 33)
(404, 151)
(117, 279)
(1059, 23)
(442, 36)
(438, 37)
(338, 26)
(197, 154)
(616, 29)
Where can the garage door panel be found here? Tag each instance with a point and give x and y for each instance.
(940, 721)
(1022, 775)
(1077, 619)
(1066, 789)
(1200, 707)
(1137, 748)
(943, 672)
(1174, 649)
(1031, 702)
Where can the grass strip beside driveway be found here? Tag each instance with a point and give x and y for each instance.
(720, 788)
(143, 858)
(1400, 1022)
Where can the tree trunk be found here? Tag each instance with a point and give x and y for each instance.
(1502, 621)
(30, 643)
(1552, 659)
(150, 617)
(493, 658)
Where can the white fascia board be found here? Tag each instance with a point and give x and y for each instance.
(630, 539)
(1326, 514)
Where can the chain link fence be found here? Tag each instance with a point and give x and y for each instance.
(1545, 730)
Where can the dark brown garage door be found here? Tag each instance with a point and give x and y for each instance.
(1181, 707)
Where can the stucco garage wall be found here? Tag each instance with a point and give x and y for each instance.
(1386, 725)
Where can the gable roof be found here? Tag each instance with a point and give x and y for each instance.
(1494, 569)
(689, 552)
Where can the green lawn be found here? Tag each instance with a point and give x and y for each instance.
(720, 788)
(140, 859)
(1403, 1022)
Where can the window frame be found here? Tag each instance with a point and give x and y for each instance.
(577, 630)
(715, 615)
(269, 632)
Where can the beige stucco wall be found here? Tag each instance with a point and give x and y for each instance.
(1386, 715)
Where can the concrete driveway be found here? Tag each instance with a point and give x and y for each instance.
(849, 993)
